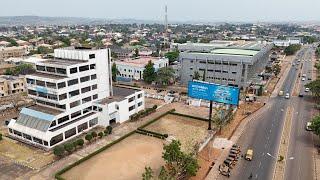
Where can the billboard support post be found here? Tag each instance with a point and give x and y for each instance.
(210, 115)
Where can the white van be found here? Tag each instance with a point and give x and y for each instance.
(287, 96)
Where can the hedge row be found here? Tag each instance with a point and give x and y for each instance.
(157, 118)
(146, 132)
(150, 134)
(65, 169)
(188, 116)
(143, 113)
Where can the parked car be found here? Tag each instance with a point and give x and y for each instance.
(308, 126)
(300, 95)
(307, 90)
(303, 79)
(249, 155)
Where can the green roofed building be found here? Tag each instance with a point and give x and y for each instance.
(228, 63)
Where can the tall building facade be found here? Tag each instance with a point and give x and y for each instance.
(67, 91)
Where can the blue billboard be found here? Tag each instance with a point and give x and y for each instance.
(214, 92)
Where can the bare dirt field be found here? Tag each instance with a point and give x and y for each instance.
(11, 170)
(123, 161)
(183, 108)
(189, 131)
(24, 154)
(150, 102)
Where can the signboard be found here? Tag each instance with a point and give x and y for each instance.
(213, 92)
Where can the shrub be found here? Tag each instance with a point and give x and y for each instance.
(280, 158)
(109, 129)
(68, 147)
(100, 134)
(94, 134)
(106, 132)
(88, 137)
(80, 142)
(0, 136)
(154, 107)
(58, 150)
(75, 144)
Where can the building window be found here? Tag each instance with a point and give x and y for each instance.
(73, 82)
(39, 141)
(61, 71)
(95, 96)
(86, 110)
(51, 85)
(85, 79)
(82, 127)
(40, 68)
(61, 85)
(62, 96)
(94, 87)
(93, 122)
(92, 56)
(73, 70)
(87, 99)
(32, 92)
(51, 69)
(131, 107)
(234, 72)
(92, 66)
(73, 93)
(139, 104)
(63, 119)
(61, 106)
(140, 95)
(94, 76)
(83, 68)
(53, 124)
(40, 83)
(27, 137)
(131, 99)
(225, 71)
(75, 104)
(70, 132)
(75, 114)
(30, 81)
(56, 139)
(86, 89)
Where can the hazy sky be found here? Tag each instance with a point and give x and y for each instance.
(196, 10)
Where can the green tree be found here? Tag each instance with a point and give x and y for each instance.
(58, 150)
(94, 134)
(292, 49)
(196, 75)
(149, 74)
(0, 136)
(100, 134)
(172, 56)
(68, 147)
(314, 87)
(109, 129)
(80, 142)
(164, 76)
(204, 76)
(88, 137)
(164, 175)
(276, 69)
(115, 72)
(179, 164)
(148, 173)
(315, 125)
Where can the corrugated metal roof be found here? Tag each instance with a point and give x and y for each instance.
(33, 122)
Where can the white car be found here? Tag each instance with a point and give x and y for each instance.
(303, 79)
(307, 90)
(287, 96)
(308, 128)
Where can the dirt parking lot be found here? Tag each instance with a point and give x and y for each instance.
(189, 131)
(123, 161)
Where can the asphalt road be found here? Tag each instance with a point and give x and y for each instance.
(263, 134)
(301, 141)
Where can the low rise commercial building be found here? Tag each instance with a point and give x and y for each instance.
(73, 94)
(236, 65)
(10, 85)
(132, 69)
(8, 52)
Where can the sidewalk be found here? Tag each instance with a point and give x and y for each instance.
(49, 171)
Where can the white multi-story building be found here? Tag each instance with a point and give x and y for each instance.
(133, 68)
(73, 93)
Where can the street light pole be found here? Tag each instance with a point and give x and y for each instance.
(210, 115)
